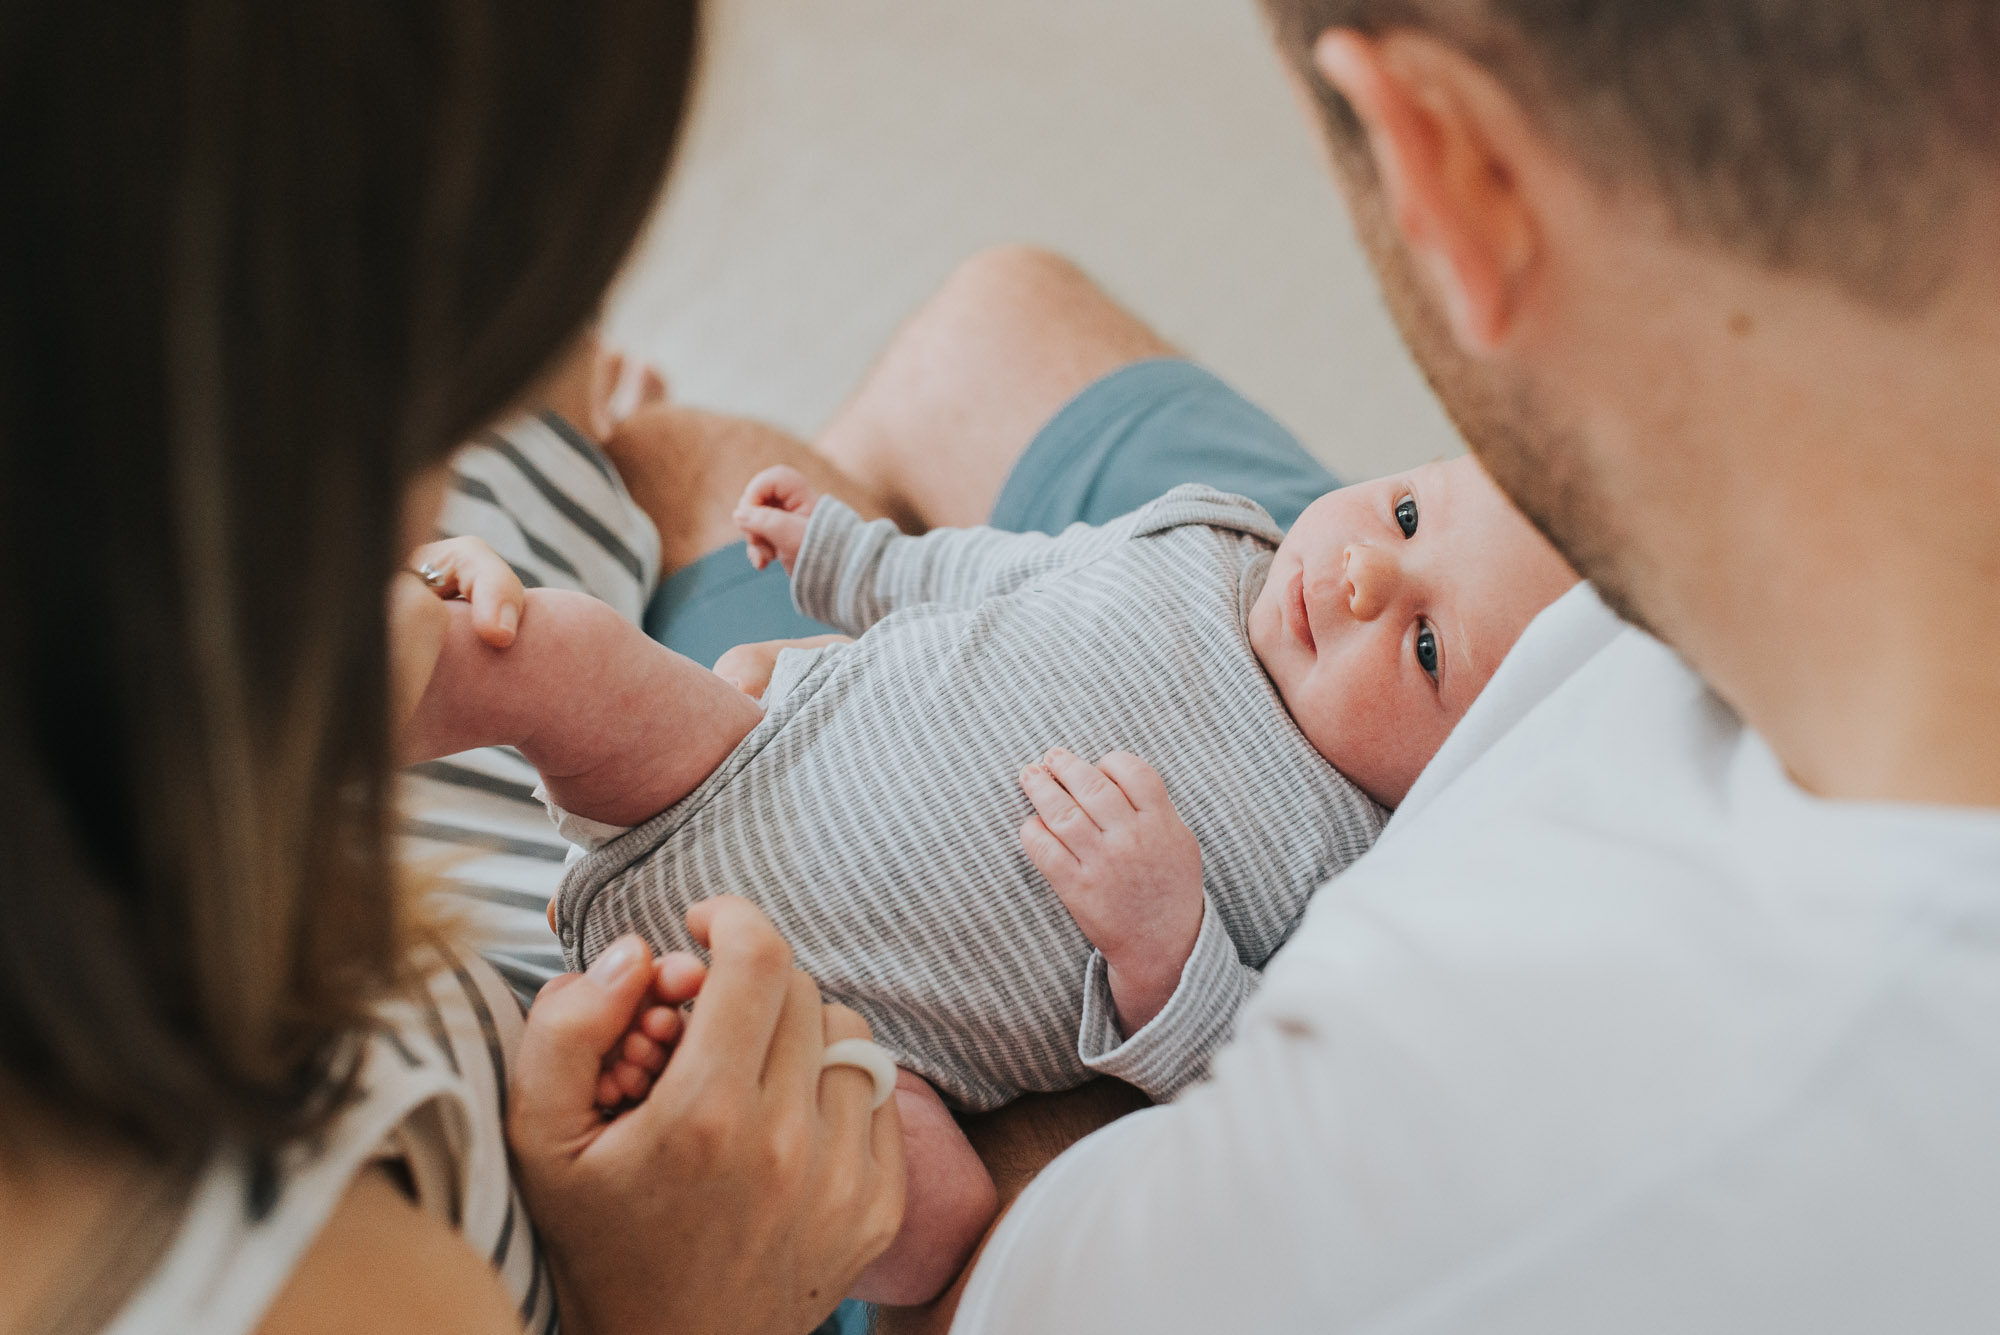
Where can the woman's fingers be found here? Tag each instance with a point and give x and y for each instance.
(467, 568)
(791, 1066)
(749, 980)
(1100, 798)
(846, 1093)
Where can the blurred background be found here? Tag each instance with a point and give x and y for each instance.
(846, 153)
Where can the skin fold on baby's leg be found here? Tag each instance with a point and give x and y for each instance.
(619, 727)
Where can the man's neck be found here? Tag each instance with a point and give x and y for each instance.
(1819, 516)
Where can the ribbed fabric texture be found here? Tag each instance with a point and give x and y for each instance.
(875, 813)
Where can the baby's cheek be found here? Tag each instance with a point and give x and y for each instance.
(1370, 729)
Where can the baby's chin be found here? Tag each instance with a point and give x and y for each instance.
(1264, 627)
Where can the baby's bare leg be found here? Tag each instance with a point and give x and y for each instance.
(949, 1203)
(618, 726)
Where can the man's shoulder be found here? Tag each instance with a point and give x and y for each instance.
(1626, 851)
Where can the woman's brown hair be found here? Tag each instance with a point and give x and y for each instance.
(260, 266)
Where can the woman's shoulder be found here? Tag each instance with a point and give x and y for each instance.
(384, 1265)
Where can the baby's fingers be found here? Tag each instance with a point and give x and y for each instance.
(773, 532)
(780, 486)
(1051, 858)
(1100, 798)
(1059, 812)
(1141, 783)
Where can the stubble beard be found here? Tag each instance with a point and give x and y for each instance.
(1545, 466)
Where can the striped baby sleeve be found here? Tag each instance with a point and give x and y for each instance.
(851, 574)
(1173, 1050)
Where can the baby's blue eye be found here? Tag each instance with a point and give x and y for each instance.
(1406, 516)
(1427, 650)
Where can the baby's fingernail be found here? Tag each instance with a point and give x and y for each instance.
(615, 963)
(510, 617)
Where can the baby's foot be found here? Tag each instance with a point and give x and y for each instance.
(628, 1071)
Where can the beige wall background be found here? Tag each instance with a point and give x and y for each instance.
(844, 154)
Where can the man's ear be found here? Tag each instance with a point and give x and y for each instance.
(1447, 141)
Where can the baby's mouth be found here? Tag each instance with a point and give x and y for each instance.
(1295, 611)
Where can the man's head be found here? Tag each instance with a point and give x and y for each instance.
(1711, 287)
(1827, 139)
(1387, 609)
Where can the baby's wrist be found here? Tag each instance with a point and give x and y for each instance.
(1141, 988)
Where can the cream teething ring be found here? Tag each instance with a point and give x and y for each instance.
(863, 1055)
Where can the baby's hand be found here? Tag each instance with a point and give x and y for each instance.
(748, 667)
(1127, 868)
(773, 514)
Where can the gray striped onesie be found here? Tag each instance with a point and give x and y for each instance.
(875, 812)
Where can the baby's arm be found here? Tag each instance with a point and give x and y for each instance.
(1129, 871)
(851, 574)
(619, 727)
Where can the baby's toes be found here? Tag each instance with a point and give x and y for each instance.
(632, 1081)
(609, 1095)
(662, 1024)
(644, 1053)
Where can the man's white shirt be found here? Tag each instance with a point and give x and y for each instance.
(1615, 1030)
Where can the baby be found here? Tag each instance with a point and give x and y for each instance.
(1011, 917)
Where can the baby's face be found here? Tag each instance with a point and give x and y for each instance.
(1388, 607)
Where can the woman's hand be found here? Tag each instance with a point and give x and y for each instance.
(748, 667)
(438, 571)
(467, 568)
(747, 1190)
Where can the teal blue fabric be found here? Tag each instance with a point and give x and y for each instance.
(1145, 429)
(719, 602)
(1128, 439)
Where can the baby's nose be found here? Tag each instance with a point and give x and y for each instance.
(1373, 576)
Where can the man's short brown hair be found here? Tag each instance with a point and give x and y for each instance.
(1825, 136)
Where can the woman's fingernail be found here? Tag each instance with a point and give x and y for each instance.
(615, 963)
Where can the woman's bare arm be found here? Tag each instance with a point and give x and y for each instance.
(382, 1264)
